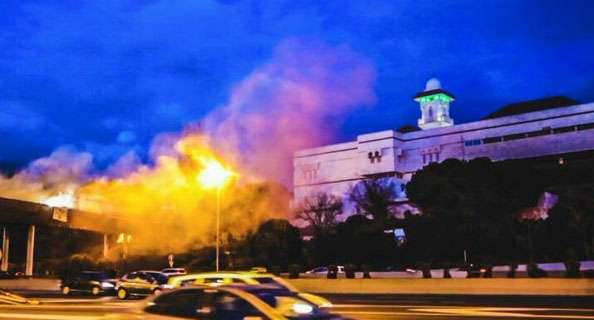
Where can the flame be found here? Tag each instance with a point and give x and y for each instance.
(61, 200)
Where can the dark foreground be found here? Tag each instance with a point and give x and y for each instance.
(354, 306)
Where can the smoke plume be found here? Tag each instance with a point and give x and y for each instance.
(295, 100)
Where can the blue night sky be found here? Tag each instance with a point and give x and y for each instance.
(107, 76)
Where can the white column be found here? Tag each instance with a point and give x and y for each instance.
(30, 250)
(5, 249)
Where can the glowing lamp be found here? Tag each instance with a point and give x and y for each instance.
(214, 175)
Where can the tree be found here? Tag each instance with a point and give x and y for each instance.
(275, 243)
(374, 197)
(320, 211)
(472, 205)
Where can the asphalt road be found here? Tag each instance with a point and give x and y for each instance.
(352, 306)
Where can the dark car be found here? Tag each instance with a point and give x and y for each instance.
(93, 282)
(140, 284)
(233, 303)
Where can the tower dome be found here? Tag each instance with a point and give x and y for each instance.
(433, 84)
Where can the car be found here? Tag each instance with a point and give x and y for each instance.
(93, 282)
(324, 270)
(243, 277)
(237, 302)
(174, 271)
(141, 283)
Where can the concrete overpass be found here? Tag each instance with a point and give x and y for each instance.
(17, 212)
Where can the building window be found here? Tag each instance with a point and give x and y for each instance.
(586, 126)
(492, 140)
(374, 156)
(470, 143)
(563, 129)
(514, 136)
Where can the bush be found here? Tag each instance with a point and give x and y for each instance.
(572, 269)
(366, 269)
(534, 271)
(294, 271)
(349, 271)
(332, 272)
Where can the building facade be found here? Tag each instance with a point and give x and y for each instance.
(336, 168)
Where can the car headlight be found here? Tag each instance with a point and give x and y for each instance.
(167, 286)
(302, 308)
(107, 285)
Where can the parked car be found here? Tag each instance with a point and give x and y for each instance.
(236, 302)
(174, 271)
(141, 283)
(238, 277)
(324, 270)
(93, 282)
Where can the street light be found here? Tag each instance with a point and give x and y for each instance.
(215, 176)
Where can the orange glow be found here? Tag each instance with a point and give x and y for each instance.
(214, 175)
(61, 200)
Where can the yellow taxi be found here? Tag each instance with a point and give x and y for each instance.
(244, 277)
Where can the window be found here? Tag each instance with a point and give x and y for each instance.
(514, 137)
(563, 129)
(470, 143)
(231, 307)
(543, 132)
(183, 303)
(586, 126)
(214, 280)
(492, 140)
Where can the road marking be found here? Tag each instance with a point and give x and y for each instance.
(497, 312)
(33, 316)
(391, 306)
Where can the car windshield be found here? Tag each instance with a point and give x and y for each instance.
(159, 277)
(270, 282)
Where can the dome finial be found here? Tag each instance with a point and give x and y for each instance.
(433, 84)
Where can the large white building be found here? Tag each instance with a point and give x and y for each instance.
(554, 131)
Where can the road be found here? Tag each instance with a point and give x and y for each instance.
(353, 306)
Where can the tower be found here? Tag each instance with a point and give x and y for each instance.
(435, 106)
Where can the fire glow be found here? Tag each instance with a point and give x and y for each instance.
(61, 200)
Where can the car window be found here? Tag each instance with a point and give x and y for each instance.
(237, 280)
(217, 280)
(183, 303)
(159, 277)
(270, 281)
(231, 307)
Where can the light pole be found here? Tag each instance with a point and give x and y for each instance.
(214, 175)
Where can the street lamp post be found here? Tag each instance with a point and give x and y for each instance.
(214, 175)
(218, 246)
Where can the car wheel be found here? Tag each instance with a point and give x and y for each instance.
(65, 290)
(95, 291)
(157, 291)
(122, 294)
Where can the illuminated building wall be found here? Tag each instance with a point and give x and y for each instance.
(336, 168)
